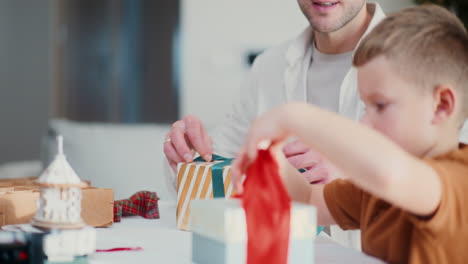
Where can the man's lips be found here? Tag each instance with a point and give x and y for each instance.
(325, 4)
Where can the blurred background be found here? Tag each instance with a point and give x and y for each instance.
(129, 61)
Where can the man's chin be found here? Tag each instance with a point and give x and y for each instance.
(325, 27)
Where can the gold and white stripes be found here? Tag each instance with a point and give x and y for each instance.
(194, 183)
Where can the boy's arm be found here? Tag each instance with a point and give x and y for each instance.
(302, 191)
(368, 158)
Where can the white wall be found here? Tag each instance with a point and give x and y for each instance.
(216, 34)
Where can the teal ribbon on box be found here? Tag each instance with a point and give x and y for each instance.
(319, 229)
(217, 174)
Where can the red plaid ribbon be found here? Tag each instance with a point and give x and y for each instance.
(142, 203)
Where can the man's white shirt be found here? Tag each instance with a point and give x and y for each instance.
(280, 75)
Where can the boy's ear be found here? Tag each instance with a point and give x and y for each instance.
(444, 103)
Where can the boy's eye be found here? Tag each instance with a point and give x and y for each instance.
(380, 106)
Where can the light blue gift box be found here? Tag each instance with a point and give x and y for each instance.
(220, 232)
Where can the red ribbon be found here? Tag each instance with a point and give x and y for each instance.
(143, 203)
(120, 249)
(267, 208)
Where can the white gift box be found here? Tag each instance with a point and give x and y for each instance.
(220, 232)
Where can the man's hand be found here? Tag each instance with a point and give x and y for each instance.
(302, 157)
(186, 137)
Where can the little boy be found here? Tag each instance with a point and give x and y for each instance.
(406, 175)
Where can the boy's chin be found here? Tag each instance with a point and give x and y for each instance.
(413, 149)
(420, 152)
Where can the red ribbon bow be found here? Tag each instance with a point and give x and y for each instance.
(267, 208)
(142, 203)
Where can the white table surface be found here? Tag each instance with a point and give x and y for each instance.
(163, 243)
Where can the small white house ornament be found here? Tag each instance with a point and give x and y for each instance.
(59, 204)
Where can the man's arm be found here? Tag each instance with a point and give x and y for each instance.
(368, 158)
(228, 135)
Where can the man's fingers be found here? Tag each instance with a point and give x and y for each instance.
(179, 142)
(182, 137)
(209, 144)
(198, 137)
(302, 161)
(173, 166)
(172, 155)
(317, 174)
(295, 148)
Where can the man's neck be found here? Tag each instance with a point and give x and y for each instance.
(346, 38)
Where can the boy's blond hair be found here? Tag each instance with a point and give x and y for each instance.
(427, 45)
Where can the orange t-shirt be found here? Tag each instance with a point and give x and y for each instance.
(396, 236)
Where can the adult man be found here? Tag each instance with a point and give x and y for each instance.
(315, 67)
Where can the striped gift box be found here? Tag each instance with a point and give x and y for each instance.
(195, 181)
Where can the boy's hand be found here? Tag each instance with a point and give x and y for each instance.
(302, 157)
(268, 130)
